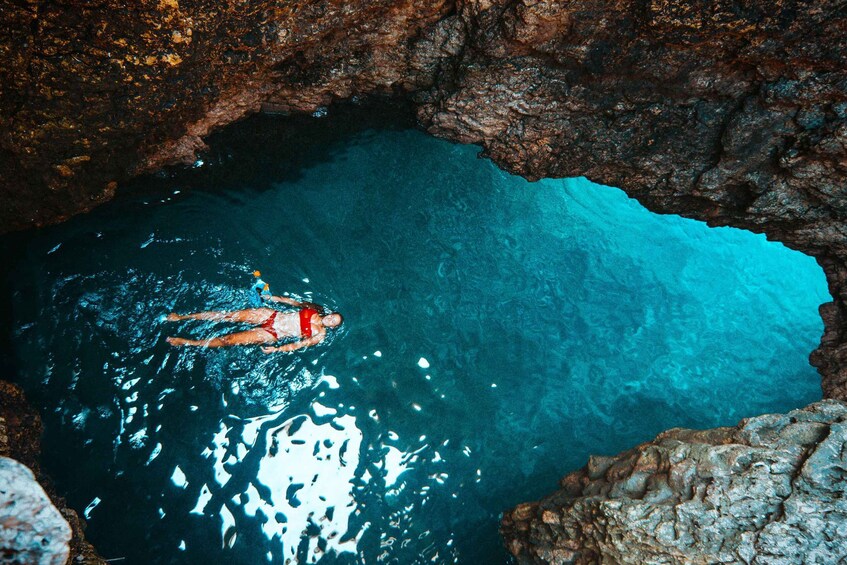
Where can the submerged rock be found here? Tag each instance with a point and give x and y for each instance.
(31, 529)
(771, 490)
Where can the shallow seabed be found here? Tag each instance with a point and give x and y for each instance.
(497, 333)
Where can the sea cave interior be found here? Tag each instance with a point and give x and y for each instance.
(497, 332)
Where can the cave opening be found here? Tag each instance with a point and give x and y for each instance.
(498, 332)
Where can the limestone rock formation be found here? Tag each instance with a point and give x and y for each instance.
(770, 490)
(31, 529)
(20, 439)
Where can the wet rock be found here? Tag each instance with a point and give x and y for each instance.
(31, 529)
(20, 426)
(770, 490)
(20, 439)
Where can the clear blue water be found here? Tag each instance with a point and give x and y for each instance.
(497, 333)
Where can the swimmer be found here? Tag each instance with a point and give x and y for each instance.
(309, 324)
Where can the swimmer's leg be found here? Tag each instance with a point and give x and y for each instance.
(250, 337)
(254, 316)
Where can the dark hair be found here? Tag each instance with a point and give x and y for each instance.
(340, 320)
(320, 309)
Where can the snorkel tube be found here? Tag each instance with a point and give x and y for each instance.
(259, 288)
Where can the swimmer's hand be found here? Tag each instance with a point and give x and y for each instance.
(270, 349)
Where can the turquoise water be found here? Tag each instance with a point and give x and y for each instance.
(497, 333)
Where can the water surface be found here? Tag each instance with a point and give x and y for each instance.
(497, 333)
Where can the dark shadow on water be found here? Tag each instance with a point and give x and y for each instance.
(263, 150)
(12, 253)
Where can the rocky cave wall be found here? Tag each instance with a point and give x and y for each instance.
(769, 491)
(34, 528)
(730, 112)
(92, 93)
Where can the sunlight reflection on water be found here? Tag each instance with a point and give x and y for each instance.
(306, 488)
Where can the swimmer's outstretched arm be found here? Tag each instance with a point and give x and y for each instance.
(295, 303)
(285, 300)
(314, 340)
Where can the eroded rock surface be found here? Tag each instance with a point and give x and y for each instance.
(770, 491)
(31, 529)
(20, 439)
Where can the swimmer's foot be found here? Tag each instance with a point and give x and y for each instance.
(177, 341)
(172, 317)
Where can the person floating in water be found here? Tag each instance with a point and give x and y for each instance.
(309, 324)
